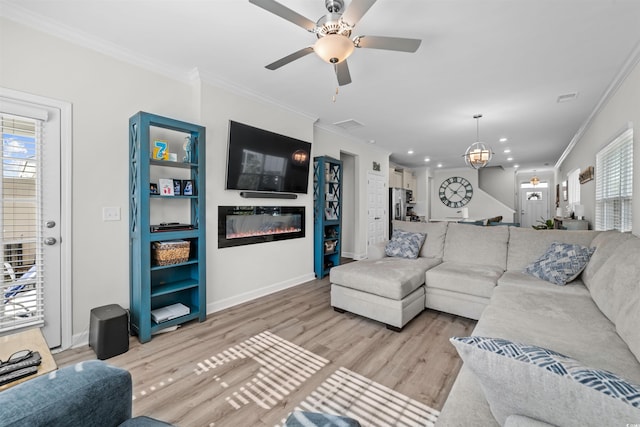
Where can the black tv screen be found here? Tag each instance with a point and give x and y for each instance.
(260, 160)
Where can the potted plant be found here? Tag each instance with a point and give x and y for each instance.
(544, 224)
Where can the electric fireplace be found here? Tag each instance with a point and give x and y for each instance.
(247, 225)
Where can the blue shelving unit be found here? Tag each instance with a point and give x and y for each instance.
(154, 286)
(327, 218)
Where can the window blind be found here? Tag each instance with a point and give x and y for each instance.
(21, 296)
(614, 184)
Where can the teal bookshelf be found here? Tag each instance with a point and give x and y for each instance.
(154, 286)
(327, 218)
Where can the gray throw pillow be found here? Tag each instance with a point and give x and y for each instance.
(521, 379)
(404, 244)
(561, 263)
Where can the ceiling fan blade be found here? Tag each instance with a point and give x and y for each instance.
(289, 58)
(286, 13)
(355, 11)
(342, 72)
(388, 43)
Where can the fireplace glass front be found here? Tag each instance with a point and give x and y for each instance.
(247, 225)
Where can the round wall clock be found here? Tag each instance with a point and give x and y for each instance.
(456, 192)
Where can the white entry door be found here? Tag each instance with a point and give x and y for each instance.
(534, 204)
(31, 216)
(376, 208)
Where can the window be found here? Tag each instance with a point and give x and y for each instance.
(21, 297)
(614, 182)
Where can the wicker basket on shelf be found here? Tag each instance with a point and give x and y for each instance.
(170, 252)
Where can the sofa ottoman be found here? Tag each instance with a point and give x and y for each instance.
(388, 289)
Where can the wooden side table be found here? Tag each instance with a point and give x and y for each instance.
(30, 339)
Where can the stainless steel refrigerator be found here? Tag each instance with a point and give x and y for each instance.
(397, 206)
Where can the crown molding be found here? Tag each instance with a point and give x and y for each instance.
(632, 60)
(245, 92)
(49, 26)
(41, 23)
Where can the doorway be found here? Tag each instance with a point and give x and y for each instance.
(376, 209)
(349, 203)
(534, 204)
(35, 215)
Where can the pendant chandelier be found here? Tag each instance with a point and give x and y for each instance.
(534, 179)
(478, 155)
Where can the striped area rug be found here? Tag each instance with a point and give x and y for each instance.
(350, 394)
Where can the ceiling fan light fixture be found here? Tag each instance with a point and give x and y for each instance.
(333, 48)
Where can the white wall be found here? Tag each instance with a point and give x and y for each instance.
(481, 206)
(500, 183)
(240, 273)
(348, 206)
(620, 109)
(104, 93)
(329, 143)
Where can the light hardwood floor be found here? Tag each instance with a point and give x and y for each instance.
(202, 375)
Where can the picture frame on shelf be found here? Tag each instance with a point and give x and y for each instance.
(153, 188)
(165, 187)
(188, 187)
(177, 187)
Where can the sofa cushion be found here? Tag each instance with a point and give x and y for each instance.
(615, 288)
(433, 246)
(528, 380)
(527, 244)
(605, 243)
(561, 318)
(404, 244)
(388, 277)
(469, 244)
(518, 278)
(465, 278)
(561, 263)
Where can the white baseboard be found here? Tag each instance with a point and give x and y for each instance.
(82, 339)
(249, 296)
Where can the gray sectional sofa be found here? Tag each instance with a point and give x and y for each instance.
(477, 272)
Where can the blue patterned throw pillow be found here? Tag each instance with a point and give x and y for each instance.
(404, 244)
(561, 263)
(522, 379)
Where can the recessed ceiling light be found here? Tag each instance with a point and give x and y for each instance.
(507, 150)
(503, 139)
(439, 165)
(410, 152)
(516, 166)
(426, 159)
(509, 159)
(372, 141)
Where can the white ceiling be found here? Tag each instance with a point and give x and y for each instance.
(506, 59)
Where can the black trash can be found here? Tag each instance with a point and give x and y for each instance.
(109, 331)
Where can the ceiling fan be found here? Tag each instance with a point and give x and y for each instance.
(333, 31)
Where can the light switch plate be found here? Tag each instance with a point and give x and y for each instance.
(111, 214)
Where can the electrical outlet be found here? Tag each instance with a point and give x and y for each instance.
(111, 214)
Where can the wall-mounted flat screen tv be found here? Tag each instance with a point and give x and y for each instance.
(259, 160)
